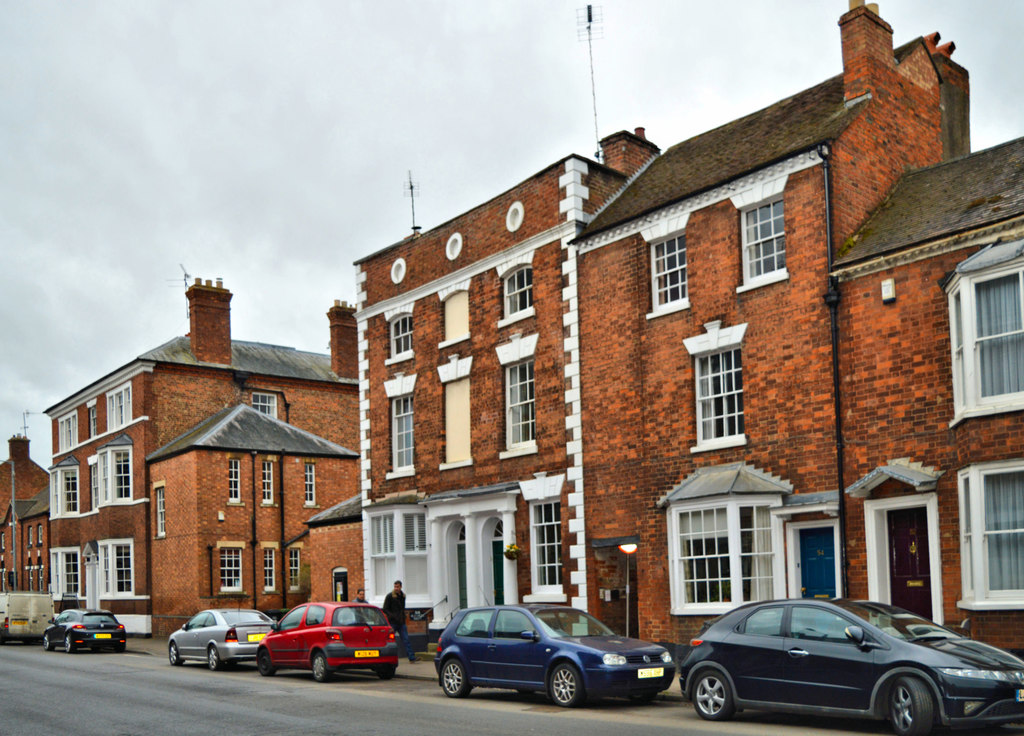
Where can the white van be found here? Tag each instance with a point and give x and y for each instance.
(24, 616)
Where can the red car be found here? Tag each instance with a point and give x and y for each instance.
(327, 637)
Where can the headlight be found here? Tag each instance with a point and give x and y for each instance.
(614, 659)
(998, 675)
(666, 657)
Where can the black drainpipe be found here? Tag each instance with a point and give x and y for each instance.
(209, 555)
(832, 301)
(252, 540)
(280, 505)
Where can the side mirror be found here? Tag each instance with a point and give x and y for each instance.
(855, 634)
(276, 626)
(529, 635)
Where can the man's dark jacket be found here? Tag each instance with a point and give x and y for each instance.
(394, 608)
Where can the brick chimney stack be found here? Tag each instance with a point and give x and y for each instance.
(868, 59)
(344, 340)
(17, 449)
(627, 152)
(209, 312)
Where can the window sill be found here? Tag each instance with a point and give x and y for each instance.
(703, 609)
(453, 341)
(667, 309)
(236, 503)
(400, 473)
(400, 358)
(986, 411)
(529, 449)
(991, 605)
(772, 278)
(310, 505)
(720, 444)
(267, 504)
(545, 598)
(512, 319)
(456, 464)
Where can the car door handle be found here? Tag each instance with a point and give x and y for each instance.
(492, 647)
(798, 653)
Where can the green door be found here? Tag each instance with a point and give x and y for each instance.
(499, 572)
(461, 554)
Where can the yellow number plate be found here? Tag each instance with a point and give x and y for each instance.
(102, 636)
(256, 637)
(650, 672)
(19, 622)
(367, 653)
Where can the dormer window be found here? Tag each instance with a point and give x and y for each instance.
(401, 337)
(764, 243)
(519, 292)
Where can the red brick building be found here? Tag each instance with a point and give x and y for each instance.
(23, 534)
(710, 325)
(932, 368)
(105, 508)
(335, 543)
(470, 395)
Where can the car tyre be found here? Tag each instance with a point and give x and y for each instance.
(453, 679)
(911, 709)
(173, 656)
(213, 660)
(712, 697)
(319, 667)
(69, 646)
(565, 686)
(385, 672)
(264, 664)
(48, 646)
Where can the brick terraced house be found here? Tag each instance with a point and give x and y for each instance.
(932, 363)
(23, 533)
(715, 343)
(470, 396)
(128, 540)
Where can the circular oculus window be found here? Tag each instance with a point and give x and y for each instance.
(514, 218)
(454, 246)
(398, 271)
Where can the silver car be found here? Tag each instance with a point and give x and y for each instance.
(220, 636)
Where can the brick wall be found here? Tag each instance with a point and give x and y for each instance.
(331, 547)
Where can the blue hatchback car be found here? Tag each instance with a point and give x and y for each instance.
(564, 651)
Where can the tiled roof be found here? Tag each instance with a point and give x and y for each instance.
(254, 357)
(34, 506)
(348, 510)
(708, 160)
(243, 429)
(945, 199)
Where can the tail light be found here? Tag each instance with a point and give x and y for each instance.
(78, 626)
(391, 635)
(333, 635)
(120, 627)
(230, 635)
(696, 642)
(438, 647)
(5, 622)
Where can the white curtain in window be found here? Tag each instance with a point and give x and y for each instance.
(1004, 530)
(1000, 336)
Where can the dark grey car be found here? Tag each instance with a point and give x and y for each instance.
(219, 636)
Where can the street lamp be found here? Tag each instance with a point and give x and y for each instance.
(627, 549)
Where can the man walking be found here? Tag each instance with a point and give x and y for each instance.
(394, 609)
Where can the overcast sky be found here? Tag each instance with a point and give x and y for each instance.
(266, 143)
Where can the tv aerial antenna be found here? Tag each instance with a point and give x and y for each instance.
(588, 27)
(410, 189)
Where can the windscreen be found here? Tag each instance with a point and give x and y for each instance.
(897, 622)
(565, 622)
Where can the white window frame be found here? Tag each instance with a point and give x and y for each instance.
(974, 540)
(715, 341)
(120, 493)
(67, 432)
(705, 377)
(265, 403)
(520, 434)
(236, 554)
(403, 455)
(234, 480)
(93, 424)
(119, 407)
(103, 471)
(517, 291)
(400, 337)
(388, 542)
(294, 568)
(269, 569)
(161, 510)
(267, 482)
(732, 507)
(58, 566)
(108, 569)
(309, 483)
(750, 280)
(536, 544)
(660, 271)
(964, 344)
(59, 495)
(94, 482)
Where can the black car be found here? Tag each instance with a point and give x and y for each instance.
(80, 628)
(850, 659)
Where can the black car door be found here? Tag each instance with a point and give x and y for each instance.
(824, 667)
(753, 654)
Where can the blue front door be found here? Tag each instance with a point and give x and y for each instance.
(817, 563)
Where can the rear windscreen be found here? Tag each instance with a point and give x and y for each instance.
(358, 616)
(233, 618)
(96, 619)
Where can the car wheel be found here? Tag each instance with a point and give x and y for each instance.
(319, 667)
(911, 709)
(712, 697)
(453, 679)
(69, 646)
(565, 686)
(264, 663)
(213, 658)
(385, 672)
(173, 656)
(48, 645)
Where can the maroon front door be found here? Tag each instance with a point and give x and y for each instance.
(909, 572)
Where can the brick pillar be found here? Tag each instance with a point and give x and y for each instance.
(344, 348)
(867, 50)
(209, 311)
(627, 152)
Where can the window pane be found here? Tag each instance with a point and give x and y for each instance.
(670, 271)
(1004, 530)
(401, 335)
(402, 432)
(1000, 336)
(765, 241)
(519, 291)
(720, 395)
